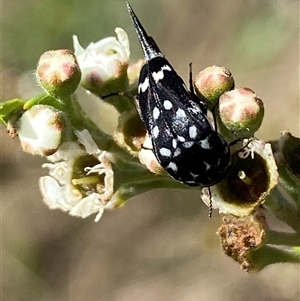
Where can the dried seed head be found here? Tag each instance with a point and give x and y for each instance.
(240, 235)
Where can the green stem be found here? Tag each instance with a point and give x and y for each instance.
(130, 190)
(121, 103)
(282, 238)
(291, 184)
(267, 255)
(132, 179)
(130, 172)
(283, 210)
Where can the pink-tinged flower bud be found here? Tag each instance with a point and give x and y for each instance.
(241, 112)
(131, 132)
(41, 130)
(241, 235)
(250, 179)
(211, 83)
(104, 64)
(148, 158)
(58, 72)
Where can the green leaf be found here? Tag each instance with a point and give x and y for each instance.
(44, 99)
(8, 107)
(267, 255)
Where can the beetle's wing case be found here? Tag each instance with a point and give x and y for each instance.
(184, 142)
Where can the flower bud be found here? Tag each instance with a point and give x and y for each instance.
(104, 64)
(250, 179)
(42, 129)
(241, 112)
(58, 72)
(131, 131)
(148, 158)
(211, 83)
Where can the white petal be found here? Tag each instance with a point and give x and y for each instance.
(101, 44)
(85, 138)
(87, 206)
(56, 196)
(66, 151)
(77, 47)
(123, 39)
(99, 215)
(59, 171)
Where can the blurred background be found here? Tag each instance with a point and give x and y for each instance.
(161, 245)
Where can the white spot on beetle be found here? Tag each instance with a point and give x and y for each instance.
(191, 182)
(205, 143)
(165, 152)
(181, 139)
(174, 143)
(156, 113)
(144, 85)
(177, 152)
(194, 175)
(172, 166)
(192, 132)
(180, 113)
(188, 144)
(207, 166)
(155, 131)
(167, 68)
(168, 105)
(157, 76)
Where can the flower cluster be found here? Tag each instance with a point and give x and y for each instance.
(91, 171)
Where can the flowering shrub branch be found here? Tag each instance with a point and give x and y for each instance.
(91, 171)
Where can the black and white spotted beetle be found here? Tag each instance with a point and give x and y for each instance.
(184, 142)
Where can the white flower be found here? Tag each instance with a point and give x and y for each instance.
(103, 60)
(80, 196)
